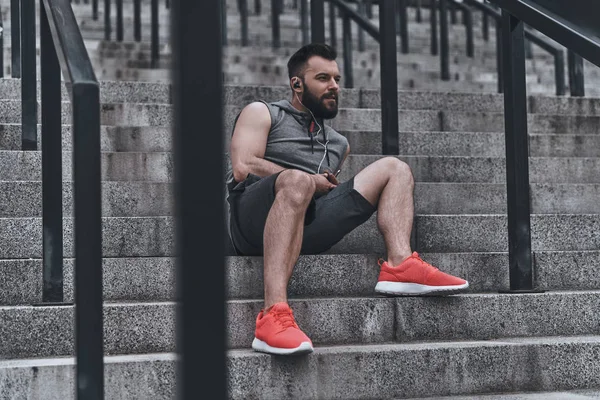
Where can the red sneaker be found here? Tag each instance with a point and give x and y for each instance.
(278, 333)
(415, 277)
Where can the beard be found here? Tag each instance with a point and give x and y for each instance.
(317, 104)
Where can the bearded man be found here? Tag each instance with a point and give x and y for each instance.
(285, 199)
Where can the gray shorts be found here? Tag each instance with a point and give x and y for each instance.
(328, 218)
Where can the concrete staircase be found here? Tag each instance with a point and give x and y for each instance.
(469, 346)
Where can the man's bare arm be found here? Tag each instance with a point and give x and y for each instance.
(249, 143)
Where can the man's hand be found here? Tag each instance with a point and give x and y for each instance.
(331, 178)
(323, 184)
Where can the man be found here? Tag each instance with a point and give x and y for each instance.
(285, 198)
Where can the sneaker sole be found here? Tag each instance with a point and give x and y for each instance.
(416, 289)
(263, 347)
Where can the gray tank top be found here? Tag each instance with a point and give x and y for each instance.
(292, 145)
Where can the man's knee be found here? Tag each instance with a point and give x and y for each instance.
(398, 168)
(294, 186)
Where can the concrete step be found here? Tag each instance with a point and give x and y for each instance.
(346, 275)
(119, 199)
(112, 138)
(122, 237)
(475, 144)
(110, 91)
(124, 279)
(129, 328)
(127, 377)
(562, 395)
(479, 233)
(135, 328)
(332, 275)
(154, 167)
(345, 321)
(122, 114)
(420, 369)
(483, 169)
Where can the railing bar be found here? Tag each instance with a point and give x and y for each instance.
(347, 40)
(444, 45)
(389, 78)
(517, 155)
(576, 77)
(332, 26)
(119, 4)
(357, 18)
(154, 56)
(304, 22)
(434, 26)
(52, 187)
(403, 26)
(223, 9)
(28, 76)
(317, 21)
(361, 33)
(107, 27)
(137, 20)
(275, 29)
(15, 38)
(198, 95)
(95, 10)
(243, 10)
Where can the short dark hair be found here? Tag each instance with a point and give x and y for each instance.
(299, 59)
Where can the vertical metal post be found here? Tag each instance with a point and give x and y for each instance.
(275, 24)
(317, 21)
(332, 26)
(137, 20)
(444, 46)
(468, 20)
(95, 10)
(499, 63)
(403, 26)
(485, 25)
(576, 80)
(257, 7)
(28, 76)
(52, 212)
(167, 4)
(88, 241)
(347, 41)
(154, 55)
(361, 33)
(369, 8)
(119, 4)
(517, 154)
(243, 10)
(389, 77)
(107, 27)
(433, 22)
(197, 77)
(419, 16)
(1, 47)
(15, 38)
(304, 21)
(559, 72)
(528, 49)
(452, 11)
(224, 22)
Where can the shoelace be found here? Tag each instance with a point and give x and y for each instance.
(285, 319)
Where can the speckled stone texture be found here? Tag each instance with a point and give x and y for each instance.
(417, 370)
(135, 377)
(129, 328)
(479, 233)
(571, 395)
(484, 169)
(124, 114)
(137, 279)
(122, 237)
(119, 199)
(332, 321)
(495, 316)
(110, 91)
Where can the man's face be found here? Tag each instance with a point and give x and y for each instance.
(321, 87)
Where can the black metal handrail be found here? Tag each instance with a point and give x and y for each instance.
(556, 52)
(63, 50)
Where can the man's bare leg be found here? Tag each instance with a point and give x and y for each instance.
(388, 184)
(284, 230)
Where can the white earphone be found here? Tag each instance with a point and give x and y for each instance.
(316, 135)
